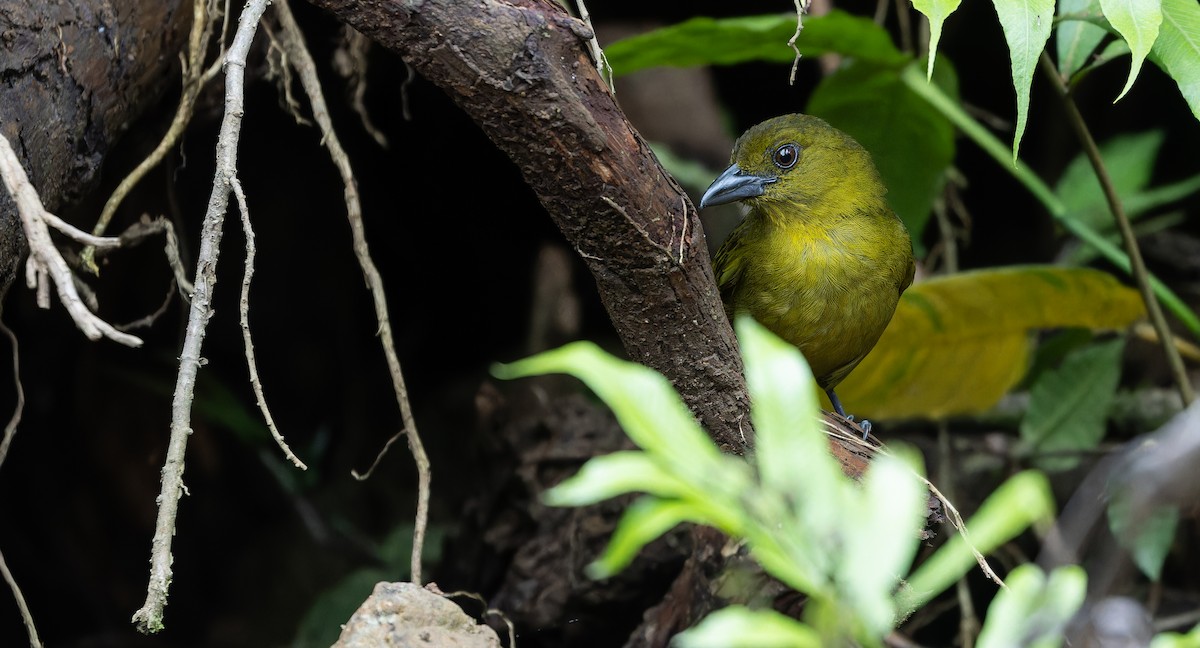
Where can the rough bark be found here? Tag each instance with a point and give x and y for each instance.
(521, 70)
(73, 75)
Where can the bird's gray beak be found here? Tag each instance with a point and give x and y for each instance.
(734, 184)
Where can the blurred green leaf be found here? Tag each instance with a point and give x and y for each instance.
(646, 519)
(726, 41)
(911, 142)
(1068, 406)
(615, 474)
(1129, 160)
(1147, 535)
(1177, 49)
(694, 176)
(892, 501)
(1177, 640)
(740, 627)
(1034, 610)
(782, 410)
(1026, 26)
(1137, 21)
(1022, 500)
(1076, 39)
(643, 401)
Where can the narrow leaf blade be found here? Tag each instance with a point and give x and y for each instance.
(1026, 26)
(1137, 21)
(1177, 48)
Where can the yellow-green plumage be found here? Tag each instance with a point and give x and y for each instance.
(820, 258)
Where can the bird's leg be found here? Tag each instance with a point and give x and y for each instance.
(837, 404)
(837, 407)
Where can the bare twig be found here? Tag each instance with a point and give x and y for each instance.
(149, 618)
(602, 66)
(26, 616)
(351, 62)
(244, 311)
(46, 263)
(149, 320)
(968, 620)
(293, 42)
(801, 9)
(204, 14)
(10, 430)
(378, 457)
(1136, 264)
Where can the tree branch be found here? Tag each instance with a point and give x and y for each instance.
(521, 70)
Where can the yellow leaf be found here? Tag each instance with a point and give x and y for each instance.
(958, 343)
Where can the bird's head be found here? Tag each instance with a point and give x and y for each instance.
(794, 159)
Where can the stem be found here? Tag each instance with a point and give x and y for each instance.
(915, 80)
(1140, 273)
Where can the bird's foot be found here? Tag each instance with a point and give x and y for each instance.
(863, 425)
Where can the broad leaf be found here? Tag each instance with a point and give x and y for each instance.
(784, 411)
(1068, 406)
(957, 344)
(937, 11)
(644, 402)
(644, 521)
(911, 142)
(892, 501)
(1129, 160)
(1147, 535)
(708, 41)
(1076, 39)
(1034, 610)
(741, 627)
(1177, 49)
(1026, 26)
(1137, 21)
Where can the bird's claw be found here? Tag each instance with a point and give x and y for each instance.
(863, 425)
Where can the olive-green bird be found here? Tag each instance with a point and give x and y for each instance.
(820, 259)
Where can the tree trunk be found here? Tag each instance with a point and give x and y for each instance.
(76, 73)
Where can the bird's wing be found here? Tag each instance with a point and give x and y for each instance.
(727, 267)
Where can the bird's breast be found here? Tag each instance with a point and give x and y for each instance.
(830, 291)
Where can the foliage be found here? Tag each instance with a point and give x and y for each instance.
(914, 160)
(958, 343)
(843, 544)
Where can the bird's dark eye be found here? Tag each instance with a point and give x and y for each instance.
(785, 156)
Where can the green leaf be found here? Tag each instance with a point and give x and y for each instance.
(643, 522)
(911, 142)
(708, 41)
(1068, 406)
(1034, 610)
(1137, 21)
(1147, 535)
(1177, 48)
(1177, 640)
(1026, 26)
(1023, 500)
(740, 627)
(615, 474)
(643, 401)
(1076, 39)
(1129, 160)
(958, 343)
(784, 410)
(937, 11)
(890, 512)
